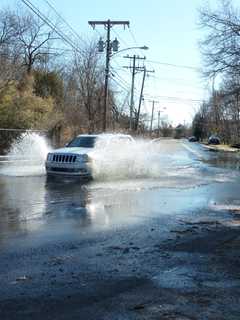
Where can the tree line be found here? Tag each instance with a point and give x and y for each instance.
(45, 88)
(220, 48)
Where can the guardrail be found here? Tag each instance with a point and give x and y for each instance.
(13, 159)
(22, 130)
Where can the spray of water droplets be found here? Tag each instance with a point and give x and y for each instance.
(127, 160)
(26, 156)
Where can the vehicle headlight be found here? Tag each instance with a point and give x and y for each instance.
(49, 157)
(82, 158)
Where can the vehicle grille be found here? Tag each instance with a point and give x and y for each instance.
(68, 170)
(63, 158)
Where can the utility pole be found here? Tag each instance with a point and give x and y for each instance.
(145, 72)
(153, 106)
(132, 91)
(159, 113)
(134, 69)
(158, 122)
(108, 24)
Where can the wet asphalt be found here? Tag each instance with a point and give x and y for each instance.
(159, 247)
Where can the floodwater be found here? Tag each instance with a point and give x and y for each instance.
(155, 234)
(163, 178)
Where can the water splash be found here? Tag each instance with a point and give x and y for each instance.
(26, 156)
(145, 162)
(128, 160)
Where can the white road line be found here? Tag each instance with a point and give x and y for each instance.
(195, 152)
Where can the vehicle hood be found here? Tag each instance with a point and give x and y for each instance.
(73, 150)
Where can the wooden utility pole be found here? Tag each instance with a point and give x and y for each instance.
(159, 123)
(145, 72)
(108, 24)
(151, 124)
(134, 69)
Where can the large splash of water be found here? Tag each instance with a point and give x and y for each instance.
(162, 163)
(120, 159)
(26, 156)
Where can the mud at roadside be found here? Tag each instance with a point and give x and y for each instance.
(188, 271)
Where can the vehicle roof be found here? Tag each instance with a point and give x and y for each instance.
(106, 135)
(87, 135)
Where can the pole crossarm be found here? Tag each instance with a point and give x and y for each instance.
(135, 69)
(136, 57)
(109, 22)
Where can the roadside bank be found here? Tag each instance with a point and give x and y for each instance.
(220, 148)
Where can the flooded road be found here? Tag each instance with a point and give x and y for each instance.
(36, 209)
(61, 237)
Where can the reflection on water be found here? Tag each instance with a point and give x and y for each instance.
(34, 209)
(21, 205)
(226, 160)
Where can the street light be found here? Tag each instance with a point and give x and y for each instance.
(129, 48)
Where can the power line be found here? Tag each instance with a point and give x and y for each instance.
(119, 37)
(175, 65)
(64, 20)
(172, 98)
(120, 79)
(178, 80)
(119, 84)
(124, 82)
(123, 41)
(133, 37)
(35, 10)
(116, 73)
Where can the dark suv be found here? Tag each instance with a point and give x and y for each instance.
(214, 140)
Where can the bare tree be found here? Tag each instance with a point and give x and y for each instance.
(88, 79)
(8, 29)
(9, 55)
(221, 45)
(35, 38)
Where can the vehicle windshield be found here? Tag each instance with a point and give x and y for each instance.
(84, 142)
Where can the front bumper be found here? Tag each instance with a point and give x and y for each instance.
(75, 169)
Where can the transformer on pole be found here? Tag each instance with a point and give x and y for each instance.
(109, 46)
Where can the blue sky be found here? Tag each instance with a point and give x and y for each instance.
(168, 28)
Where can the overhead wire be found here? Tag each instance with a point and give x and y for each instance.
(119, 37)
(177, 80)
(118, 80)
(64, 20)
(125, 102)
(119, 84)
(35, 10)
(123, 41)
(133, 37)
(175, 65)
(177, 99)
(134, 40)
(122, 79)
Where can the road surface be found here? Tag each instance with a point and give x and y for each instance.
(159, 245)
